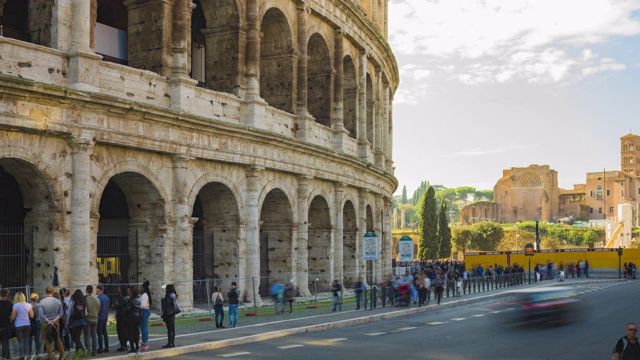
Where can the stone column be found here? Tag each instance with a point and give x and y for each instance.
(361, 265)
(250, 252)
(183, 232)
(389, 158)
(181, 85)
(60, 19)
(386, 135)
(338, 242)
(254, 106)
(83, 269)
(377, 227)
(377, 119)
(303, 118)
(340, 134)
(363, 143)
(302, 268)
(83, 62)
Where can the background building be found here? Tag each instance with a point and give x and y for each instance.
(177, 140)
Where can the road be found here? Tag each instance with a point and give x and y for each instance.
(476, 331)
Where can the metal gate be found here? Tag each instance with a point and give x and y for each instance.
(203, 263)
(16, 249)
(263, 290)
(118, 256)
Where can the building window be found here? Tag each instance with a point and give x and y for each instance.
(608, 192)
(611, 210)
(590, 210)
(599, 210)
(591, 193)
(599, 192)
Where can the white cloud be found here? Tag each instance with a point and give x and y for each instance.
(537, 41)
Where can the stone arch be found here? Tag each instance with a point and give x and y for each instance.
(132, 226)
(276, 239)
(222, 44)
(319, 79)
(370, 102)
(349, 235)
(319, 246)
(277, 60)
(28, 217)
(350, 97)
(216, 247)
(27, 20)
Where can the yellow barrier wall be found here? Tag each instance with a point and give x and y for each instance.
(598, 258)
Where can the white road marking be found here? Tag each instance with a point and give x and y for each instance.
(375, 333)
(336, 339)
(284, 347)
(477, 315)
(404, 329)
(459, 319)
(235, 354)
(434, 323)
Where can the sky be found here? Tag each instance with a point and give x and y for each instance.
(488, 85)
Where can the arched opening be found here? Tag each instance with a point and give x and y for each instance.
(198, 49)
(110, 32)
(370, 110)
(276, 61)
(319, 245)
(27, 20)
(349, 232)
(222, 45)
(27, 222)
(131, 231)
(276, 219)
(350, 97)
(319, 80)
(215, 239)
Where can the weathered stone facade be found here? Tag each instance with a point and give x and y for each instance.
(282, 151)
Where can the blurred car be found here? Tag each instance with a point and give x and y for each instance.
(554, 305)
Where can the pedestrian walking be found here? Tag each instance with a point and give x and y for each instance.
(218, 306)
(336, 288)
(21, 316)
(358, 288)
(169, 310)
(233, 295)
(6, 308)
(290, 295)
(438, 287)
(50, 318)
(586, 268)
(145, 312)
(121, 319)
(76, 318)
(103, 316)
(627, 347)
(277, 293)
(91, 330)
(36, 325)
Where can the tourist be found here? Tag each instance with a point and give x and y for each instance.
(218, 302)
(233, 295)
(91, 330)
(169, 310)
(50, 318)
(77, 318)
(145, 312)
(21, 316)
(132, 313)
(103, 316)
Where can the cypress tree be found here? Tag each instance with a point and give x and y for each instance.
(428, 248)
(404, 195)
(444, 233)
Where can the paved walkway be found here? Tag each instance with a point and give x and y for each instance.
(193, 336)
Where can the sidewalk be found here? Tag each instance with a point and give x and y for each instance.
(200, 336)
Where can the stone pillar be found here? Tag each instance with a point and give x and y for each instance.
(386, 135)
(340, 134)
(303, 118)
(181, 86)
(151, 35)
(83, 269)
(363, 142)
(361, 265)
(83, 62)
(250, 252)
(60, 20)
(338, 242)
(183, 232)
(302, 251)
(377, 227)
(377, 120)
(255, 106)
(389, 157)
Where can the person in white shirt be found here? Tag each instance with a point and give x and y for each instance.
(21, 315)
(145, 304)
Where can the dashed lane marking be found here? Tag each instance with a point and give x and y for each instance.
(375, 333)
(403, 329)
(434, 323)
(459, 319)
(477, 315)
(496, 312)
(284, 347)
(234, 354)
(335, 339)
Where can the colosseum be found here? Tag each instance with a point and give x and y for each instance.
(176, 140)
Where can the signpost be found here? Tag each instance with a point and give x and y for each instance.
(369, 254)
(529, 252)
(405, 248)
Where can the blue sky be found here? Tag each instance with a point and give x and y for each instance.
(487, 85)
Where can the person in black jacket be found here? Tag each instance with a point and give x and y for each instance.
(169, 310)
(132, 313)
(233, 296)
(121, 318)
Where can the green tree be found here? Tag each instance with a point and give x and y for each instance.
(589, 238)
(486, 236)
(446, 194)
(444, 233)
(404, 195)
(428, 248)
(461, 237)
(483, 195)
(465, 192)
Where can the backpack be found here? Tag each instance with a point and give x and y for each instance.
(78, 312)
(219, 300)
(624, 346)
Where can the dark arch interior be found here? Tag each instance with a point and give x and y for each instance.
(15, 19)
(14, 254)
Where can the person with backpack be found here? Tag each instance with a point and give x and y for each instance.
(170, 309)
(336, 289)
(290, 295)
(218, 302)
(76, 318)
(627, 347)
(277, 293)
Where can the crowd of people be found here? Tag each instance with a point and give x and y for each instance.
(59, 320)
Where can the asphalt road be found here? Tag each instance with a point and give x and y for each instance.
(477, 331)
